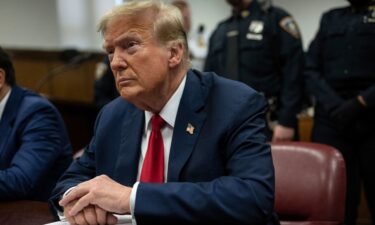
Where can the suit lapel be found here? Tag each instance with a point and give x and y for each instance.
(9, 116)
(190, 114)
(126, 168)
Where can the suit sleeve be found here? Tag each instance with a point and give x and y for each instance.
(314, 78)
(80, 170)
(39, 145)
(291, 59)
(243, 196)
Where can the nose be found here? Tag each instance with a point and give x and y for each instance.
(118, 62)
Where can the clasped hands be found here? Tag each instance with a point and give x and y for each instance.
(95, 201)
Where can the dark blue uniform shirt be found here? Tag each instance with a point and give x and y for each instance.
(270, 57)
(340, 63)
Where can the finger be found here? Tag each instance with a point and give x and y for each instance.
(101, 215)
(71, 220)
(111, 219)
(74, 194)
(80, 219)
(80, 205)
(68, 217)
(90, 215)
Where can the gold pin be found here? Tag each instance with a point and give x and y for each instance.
(190, 128)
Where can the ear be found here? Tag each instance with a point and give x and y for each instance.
(176, 54)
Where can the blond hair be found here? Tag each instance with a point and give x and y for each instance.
(167, 22)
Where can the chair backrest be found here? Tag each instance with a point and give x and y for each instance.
(310, 183)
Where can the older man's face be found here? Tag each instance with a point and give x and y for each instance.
(139, 63)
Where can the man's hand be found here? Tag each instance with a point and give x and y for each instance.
(347, 112)
(281, 133)
(89, 215)
(100, 191)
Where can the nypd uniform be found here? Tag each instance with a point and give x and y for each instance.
(269, 57)
(340, 67)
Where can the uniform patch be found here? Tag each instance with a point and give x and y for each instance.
(289, 25)
(256, 27)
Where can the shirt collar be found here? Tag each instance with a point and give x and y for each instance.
(169, 111)
(3, 103)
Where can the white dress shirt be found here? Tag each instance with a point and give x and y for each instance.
(168, 113)
(3, 102)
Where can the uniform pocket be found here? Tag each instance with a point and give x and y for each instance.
(334, 43)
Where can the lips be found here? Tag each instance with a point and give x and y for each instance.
(125, 81)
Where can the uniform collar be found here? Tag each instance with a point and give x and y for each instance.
(251, 9)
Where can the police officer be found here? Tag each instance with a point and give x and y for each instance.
(260, 45)
(340, 73)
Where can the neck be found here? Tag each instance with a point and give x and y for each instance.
(244, 5)
(161, 99)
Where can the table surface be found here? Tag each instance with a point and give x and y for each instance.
(25, 212)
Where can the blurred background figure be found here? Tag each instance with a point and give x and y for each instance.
(197, 40)
(261, 46)
(34, 145)
(340, 74)
(104, 86)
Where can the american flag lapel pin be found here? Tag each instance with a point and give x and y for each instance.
(190, 128)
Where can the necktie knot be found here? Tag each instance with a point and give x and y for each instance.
(157, 122)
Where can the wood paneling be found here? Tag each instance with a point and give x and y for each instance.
(72, 83)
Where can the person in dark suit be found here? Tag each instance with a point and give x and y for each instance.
(104, 86)
(216, 167)
(34, 146)
(340, 74)
(260, 45)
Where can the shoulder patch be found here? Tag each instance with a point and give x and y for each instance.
(289, 25)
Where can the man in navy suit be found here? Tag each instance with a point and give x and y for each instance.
(34, 147)
(217, 165)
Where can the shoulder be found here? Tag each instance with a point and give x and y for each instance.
(220, 28)
(32, 102)
(335, 13)
(285, 21)
(332, 18)
(116, 109)
(278, 12)
(231, 94)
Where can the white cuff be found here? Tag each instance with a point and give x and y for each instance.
(60, 214)
(133, 195)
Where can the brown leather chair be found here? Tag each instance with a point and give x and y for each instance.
(310, 183)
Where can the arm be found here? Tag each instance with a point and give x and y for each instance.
(39, 144)
(80, 170)
(290, 58)
(314, 77)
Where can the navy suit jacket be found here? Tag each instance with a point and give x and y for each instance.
(221, 174)
(34, 147)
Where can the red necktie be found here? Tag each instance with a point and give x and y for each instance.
(153, 165)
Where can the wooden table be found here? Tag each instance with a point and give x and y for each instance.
(25, 213)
